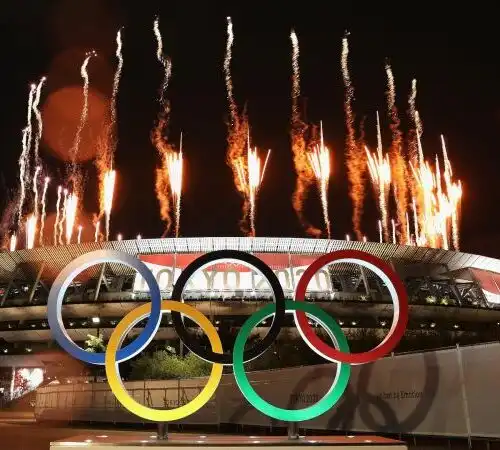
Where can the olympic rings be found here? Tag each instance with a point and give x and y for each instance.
(236, 256)
(115, 354)
(113, 371)
(295, 415)
(63, 280)
(398, 296)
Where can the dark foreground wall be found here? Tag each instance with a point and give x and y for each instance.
(453, 392)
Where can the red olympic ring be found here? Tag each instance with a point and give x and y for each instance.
(399, 300)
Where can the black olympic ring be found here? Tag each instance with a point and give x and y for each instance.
(279, 298)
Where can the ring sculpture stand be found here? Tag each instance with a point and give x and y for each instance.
(303, 311)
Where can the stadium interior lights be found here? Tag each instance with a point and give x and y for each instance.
(96, 320)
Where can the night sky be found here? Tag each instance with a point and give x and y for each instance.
(454, 59)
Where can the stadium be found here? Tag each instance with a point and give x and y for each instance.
(454, 297)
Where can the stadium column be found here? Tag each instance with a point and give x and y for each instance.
(99, 282)
(36, 283)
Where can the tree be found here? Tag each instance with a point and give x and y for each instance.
(167, 365)
(95, 344)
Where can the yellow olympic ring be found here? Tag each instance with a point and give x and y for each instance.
(113, 373)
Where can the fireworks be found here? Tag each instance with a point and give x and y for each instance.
(380, 172)
(24, 157)
(238, 134)
(355, 155)
(38, 116)
(302, 162)
(75, 176)
(71, 209)
(174, 167)
(30, 231)
(320, 162)
(398, 163)
(96, 233)
(44, 208)
(58, 215)
(171, 161)
(116, 80)
(13, 242)
(433, 214)
(108, 190)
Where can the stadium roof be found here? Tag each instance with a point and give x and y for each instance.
(27, 262)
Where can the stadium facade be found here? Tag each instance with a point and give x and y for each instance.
(454, 296)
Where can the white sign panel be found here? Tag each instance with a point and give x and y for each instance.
(232, 279)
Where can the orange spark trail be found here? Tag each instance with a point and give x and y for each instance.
(75, 174)
(320, 162)
(398, 163)
(116, 84)
(380, 231)
(44, 213)
(35, 190)
(159, 136)
(238, 132)
(58, 214)
(380, 172)
(107, 144)
(96, 234)
(356, 157)
(108, 190)
(393, 223)
(454, 192)
(79, 238)
(30, 231)
(24, 157)
(13, 242)
(71, 210)
(62, 222)
(174, 167)
(301, 159)
(38, 116)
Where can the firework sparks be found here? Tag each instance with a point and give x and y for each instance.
(174, 167)
(380, 232)
(119, 237)
(58, 215)
(159, 136)
(238, 132)
(116, 80)
(75, 176)
(30, 231)
(71, 209)
(398, 163)
(380, 172)
(108, 191)
(35, 190)
(393, 223)
(164, 61)
(301, 160)
(38, 116)
(44, 212)
(13, 242)
(320, 162)
(356, 157)
(62, 221)
(107, 144)
(79, 237)
(96, 233)
(454, 191)
(24, 157)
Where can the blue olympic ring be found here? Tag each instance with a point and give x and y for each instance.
(62, 282)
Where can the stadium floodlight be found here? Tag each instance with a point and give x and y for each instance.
(96, 320)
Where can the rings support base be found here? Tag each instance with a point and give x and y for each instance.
(129, 441)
